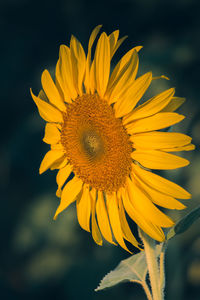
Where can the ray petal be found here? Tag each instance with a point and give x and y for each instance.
(59, 164)
(93, 83)
(78, 60)
(61, 81)
(66, 71)
(118, 44)
(69, 194)
(102, 63)
(102, 218)
(128, 63)
(188, 147)
(113, 37)
(113, 211)
(155, 159)
(84, 207)
(49, 158)
(151, 229)
(96, 234)
(43, 96)
(51, 91)
(161, 184)
(158, 197)
(48, 112)
(52, 134)
(150, 107)
(121, 64)
(62, 176)
(122, 81)
(88, 60)
(127, 103)
(155, 122)
(125, 226)
(174, 104)
(159, 140)
(145, 207)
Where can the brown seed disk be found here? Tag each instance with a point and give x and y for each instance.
(96, 143)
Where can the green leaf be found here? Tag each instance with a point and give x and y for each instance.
(133, 268)
(184, 223)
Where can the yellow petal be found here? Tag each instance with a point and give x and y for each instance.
(127, 103)
(78, 60)
(159, 140)
(61, 82)
(95, 229)
(51, 91)
(124, 78)
(160, 77)
(145, 207)
(118, 44)
(113, 37)
(126, 68)
(102, 64)
(115, 43)
(114, 217)
(52, 134)
(49, 158)
(66, 71)
(84, 209)
(59, 164)
(155, 159)
(174, 104)
(62, 176)
(155, 122)
(102, 218)
(69, 194)
(93, 84)
(124, 224)
(43, 96)
(121, 64)
(151, 229)
(161, 184)
(88, 61)
(59, 85)
(47, 111)
(150, 107)
(93, 37)
(58, 146)
(183, 148)
(158, 197)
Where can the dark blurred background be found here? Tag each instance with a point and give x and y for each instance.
(44, 259)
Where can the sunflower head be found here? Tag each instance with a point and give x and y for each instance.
(99, 133)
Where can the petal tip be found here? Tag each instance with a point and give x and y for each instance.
(31, 91)
(55, 217)
(58, 211)
(58, 193)
(41, 170)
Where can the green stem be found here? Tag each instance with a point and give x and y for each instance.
(145, 287)
(152, 264)
(162, 271)
(147, 291)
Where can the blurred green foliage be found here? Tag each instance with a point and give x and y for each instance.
(41, 258)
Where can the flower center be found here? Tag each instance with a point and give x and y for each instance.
(96, 143)
(92, 144)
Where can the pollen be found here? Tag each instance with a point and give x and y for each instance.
(96, 143)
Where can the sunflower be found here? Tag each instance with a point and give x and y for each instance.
(104, 145)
